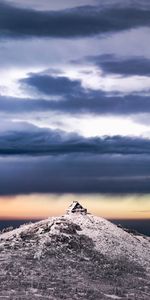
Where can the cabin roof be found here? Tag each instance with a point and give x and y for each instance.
(76, 206)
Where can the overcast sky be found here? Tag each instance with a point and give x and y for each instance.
(74, 97)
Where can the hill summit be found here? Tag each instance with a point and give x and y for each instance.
(75, 256)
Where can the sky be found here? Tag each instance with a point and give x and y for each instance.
(74, 107)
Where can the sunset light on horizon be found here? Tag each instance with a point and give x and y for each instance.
(44, 206)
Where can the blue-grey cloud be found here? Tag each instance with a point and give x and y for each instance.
(53, 85)
(77, 99)
(26, 139)
(139, 66)
(97, 103)
(82, 21)
(74, 98)
(50, 5)
(75, 173)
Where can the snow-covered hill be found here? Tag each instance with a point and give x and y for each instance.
(76, 256)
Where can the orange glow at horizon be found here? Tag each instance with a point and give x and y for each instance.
(43, 206)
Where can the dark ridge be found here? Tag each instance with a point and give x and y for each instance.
(134, 226)
(6, 224)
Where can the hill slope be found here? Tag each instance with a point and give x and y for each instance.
(76, 256)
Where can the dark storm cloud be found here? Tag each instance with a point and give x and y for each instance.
(53, 85)
(98, 103)
(30, 140)
(77, 99)
(80, 21)
(124, 66)
(75, 174)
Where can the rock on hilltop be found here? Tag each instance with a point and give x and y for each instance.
(75, 256)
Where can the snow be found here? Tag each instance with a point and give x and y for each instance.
(107, 237)
(113, 296)
(112, 240)
(60, 240)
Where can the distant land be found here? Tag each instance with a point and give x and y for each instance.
(142, 226)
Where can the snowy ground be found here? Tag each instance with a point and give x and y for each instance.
(74, 257)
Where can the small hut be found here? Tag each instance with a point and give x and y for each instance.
(76, 207)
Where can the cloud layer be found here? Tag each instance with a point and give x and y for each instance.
(74, 96)
(75, 174)
(138, 66)
(70, 22)
(29, 140)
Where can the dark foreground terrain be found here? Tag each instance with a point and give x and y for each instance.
(74, 257)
